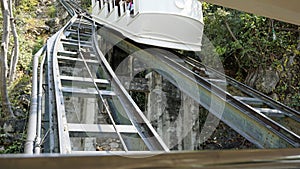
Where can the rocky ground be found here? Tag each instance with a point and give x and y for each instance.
(109, 144)
(226, 138)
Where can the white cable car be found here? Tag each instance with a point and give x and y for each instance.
(176, 24)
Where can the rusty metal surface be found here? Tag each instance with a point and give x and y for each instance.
(275, 158)
(287, 11)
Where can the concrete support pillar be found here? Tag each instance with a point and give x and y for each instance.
(189, 127)
(156, 106)
(173, 114)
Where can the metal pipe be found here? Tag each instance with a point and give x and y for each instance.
(37, 148)
(32, 121)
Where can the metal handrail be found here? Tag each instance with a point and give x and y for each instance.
(39, 115)
(32, 121)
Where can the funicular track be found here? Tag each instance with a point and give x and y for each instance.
(75, 76)
(82, 107)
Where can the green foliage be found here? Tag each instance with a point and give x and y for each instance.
(19, 89)
(252, 44)
(87, 5)
(25, 54)
(15, 148)
(31, 38)
(51, 11)
(28, 5)
(295, 102)
(38, 45)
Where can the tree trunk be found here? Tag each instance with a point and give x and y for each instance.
(6, 107)
(5, 35)
(15, 53)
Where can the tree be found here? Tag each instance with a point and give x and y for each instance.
(15, 51)
(6, 106)
(246, 41)
(249, 44)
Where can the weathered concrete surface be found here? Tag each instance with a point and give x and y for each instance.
(174, 115)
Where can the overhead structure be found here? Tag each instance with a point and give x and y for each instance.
(287, 11)
(152, 24)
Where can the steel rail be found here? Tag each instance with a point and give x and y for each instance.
(50, 102)
(71, 11)
(99, 93)
(65, 146)
(274, 105)
(254, 93)
(291, 117)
